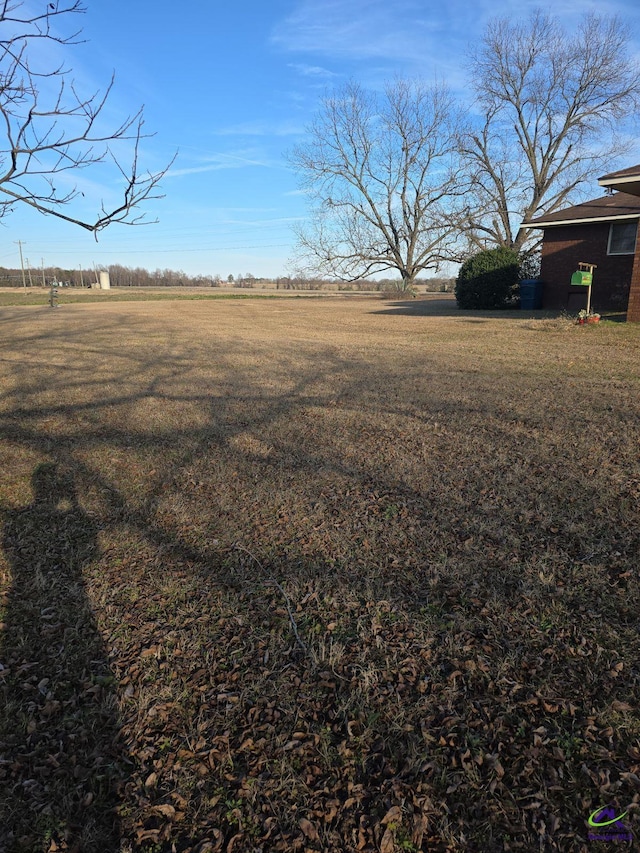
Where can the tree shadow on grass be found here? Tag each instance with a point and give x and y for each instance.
(447, 307)
(214, 488)
(59, 763)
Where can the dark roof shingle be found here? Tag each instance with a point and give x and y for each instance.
(631, 172)
(616, 206)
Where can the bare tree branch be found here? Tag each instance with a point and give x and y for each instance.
(551, 103)
(381, 174)
(47, 127)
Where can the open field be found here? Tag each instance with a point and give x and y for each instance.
(316, 575)
(67, 296)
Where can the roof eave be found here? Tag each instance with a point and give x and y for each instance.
(626, 184)
(583, 221)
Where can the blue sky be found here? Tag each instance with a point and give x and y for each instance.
(231, 87)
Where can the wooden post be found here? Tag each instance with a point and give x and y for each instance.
(588, 268)
(24, 280)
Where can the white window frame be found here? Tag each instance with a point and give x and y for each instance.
(612, 226)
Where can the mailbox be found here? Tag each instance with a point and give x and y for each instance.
(582, 277)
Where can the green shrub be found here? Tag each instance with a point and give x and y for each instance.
(488, 279)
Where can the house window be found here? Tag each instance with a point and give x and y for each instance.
(622, 238)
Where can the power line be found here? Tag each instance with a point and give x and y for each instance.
(240, 229)
(159, 236)
(175, 251)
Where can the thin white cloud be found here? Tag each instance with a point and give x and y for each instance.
(261, 128)
(314, 71)
(353, 29)
(217, 162)
(405, 36)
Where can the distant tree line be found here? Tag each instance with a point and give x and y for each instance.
(300, 281)
(39, 277)
(119, 276)
(122, 276)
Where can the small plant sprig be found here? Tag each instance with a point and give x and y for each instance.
(271, 580)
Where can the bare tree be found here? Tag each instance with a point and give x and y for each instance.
(379, 171)
(551, 104)
(49, 128)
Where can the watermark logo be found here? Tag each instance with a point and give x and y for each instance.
(606, 825)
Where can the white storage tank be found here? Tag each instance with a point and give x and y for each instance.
(105, 284)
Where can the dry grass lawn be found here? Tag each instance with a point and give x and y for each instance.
(316, 575)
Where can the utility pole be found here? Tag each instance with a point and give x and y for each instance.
(29, 271)
(44, 283)
(81, 278)
(24, 280)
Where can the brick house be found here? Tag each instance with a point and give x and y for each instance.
(603, 232)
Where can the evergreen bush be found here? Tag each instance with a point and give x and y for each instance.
(488, 279)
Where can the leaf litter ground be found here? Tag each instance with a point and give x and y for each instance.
(339, 575)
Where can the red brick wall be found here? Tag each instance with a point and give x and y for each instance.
(633, 311)
(564, 247)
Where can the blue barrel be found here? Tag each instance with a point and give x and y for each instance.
(530, 294)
